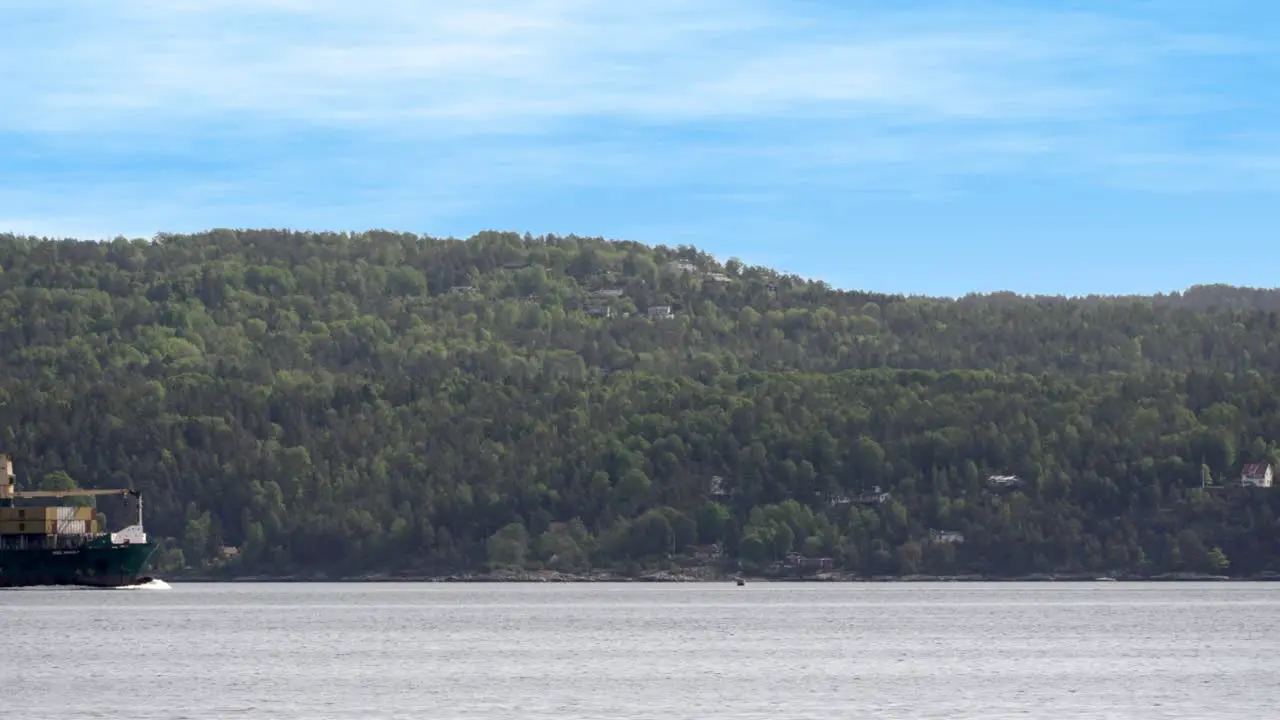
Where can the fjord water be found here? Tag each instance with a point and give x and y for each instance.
(601, 651)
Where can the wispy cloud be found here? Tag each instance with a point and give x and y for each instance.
(506, 64)
(423, 111)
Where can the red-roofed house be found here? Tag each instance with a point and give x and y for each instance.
(1256, 475)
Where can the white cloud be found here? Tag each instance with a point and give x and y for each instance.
(431, 110)
(507, 63)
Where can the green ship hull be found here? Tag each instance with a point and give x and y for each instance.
(94, 564)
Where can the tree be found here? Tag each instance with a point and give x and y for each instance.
(712, 522)
(59, 480)
(507, 547)
(559, 547)
(632, 491)
(652, 535)
(1217, 560)
(909, 557)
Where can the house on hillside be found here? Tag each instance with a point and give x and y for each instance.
(946, 536)
(718, 489)
(707, 553)
(660, 312)
(877, 496)
(1004, 481)
(1256, 475)
(797, 561)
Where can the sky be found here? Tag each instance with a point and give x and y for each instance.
(939, 148)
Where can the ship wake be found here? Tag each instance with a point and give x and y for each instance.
(149, 584)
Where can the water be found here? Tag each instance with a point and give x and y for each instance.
(675, 652)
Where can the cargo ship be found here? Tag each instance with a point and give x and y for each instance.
(66, 545)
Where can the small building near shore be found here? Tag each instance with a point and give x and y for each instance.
(1257, 475)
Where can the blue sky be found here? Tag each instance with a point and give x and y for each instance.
(918, 147)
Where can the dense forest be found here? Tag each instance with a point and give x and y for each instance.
(381, 402)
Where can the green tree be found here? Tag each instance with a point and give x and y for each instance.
(1217, 560)
(507, 548)
(712, 522)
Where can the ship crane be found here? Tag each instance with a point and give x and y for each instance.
(9, 491)
(31, 494)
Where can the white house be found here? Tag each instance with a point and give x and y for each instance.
(1003, 483)
(877, 496)
(946, 536)
(1256, 475)
(718, 488)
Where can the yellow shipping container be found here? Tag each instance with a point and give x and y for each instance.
(28, 527)
(75, 513)
(23, 514)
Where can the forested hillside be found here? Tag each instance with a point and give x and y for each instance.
(354, 403)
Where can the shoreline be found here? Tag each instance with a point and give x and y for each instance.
(702, 578)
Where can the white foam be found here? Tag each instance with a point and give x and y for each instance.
(152, 584)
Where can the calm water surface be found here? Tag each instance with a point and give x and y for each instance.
(676, 652)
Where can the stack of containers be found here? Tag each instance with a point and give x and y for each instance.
(48, 521)
(75, 520)
(28, 520)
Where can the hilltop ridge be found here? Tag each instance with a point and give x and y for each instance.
(383, 402)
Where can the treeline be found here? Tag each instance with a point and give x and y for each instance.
(354, 403)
